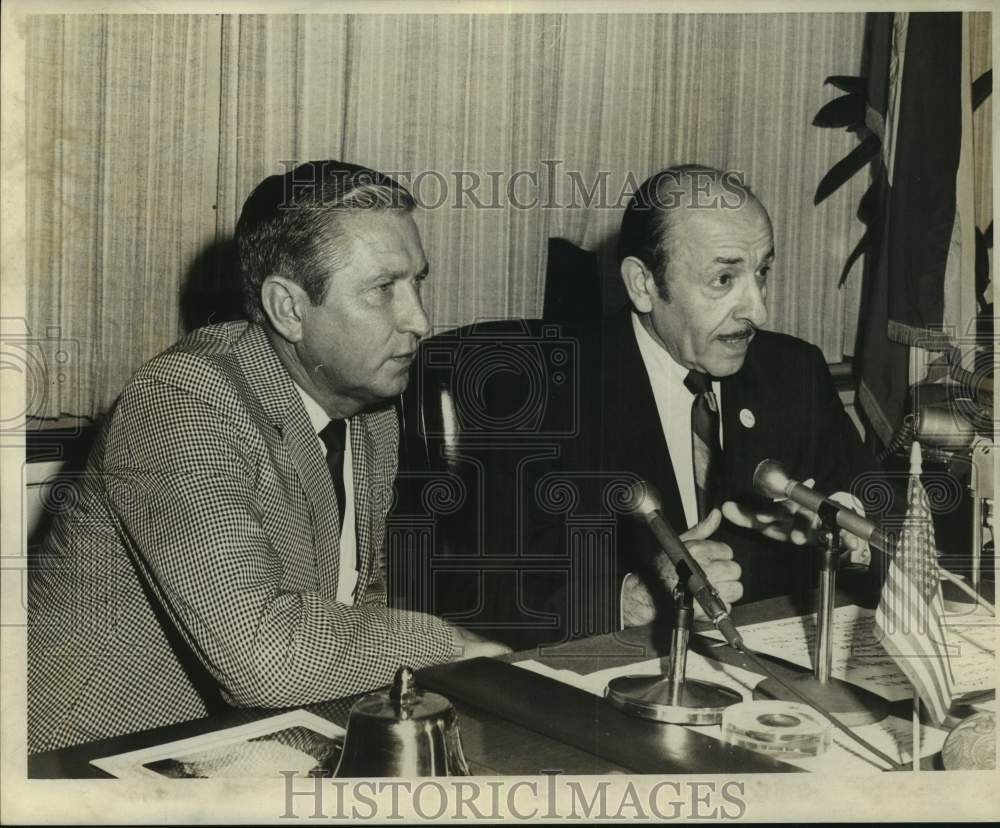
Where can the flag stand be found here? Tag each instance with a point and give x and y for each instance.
(915, 750)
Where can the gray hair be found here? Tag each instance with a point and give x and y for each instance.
(291, 225)
(652, 211)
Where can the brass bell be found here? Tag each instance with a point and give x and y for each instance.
(403, 731)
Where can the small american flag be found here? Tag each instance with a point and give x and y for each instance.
(910, 613)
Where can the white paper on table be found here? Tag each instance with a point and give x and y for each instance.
(857, 656)
(860, 659)
(253, 750)
(893, 736)
(972, 641)
(698, 667)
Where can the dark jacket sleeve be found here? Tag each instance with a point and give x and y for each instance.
(841, 460)
(840, 463)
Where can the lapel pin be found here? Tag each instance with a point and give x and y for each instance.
(747, 418)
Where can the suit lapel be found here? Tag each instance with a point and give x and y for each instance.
(363, 462)
(303, 447)
(270, 383)
(739, 432)
(640, 445)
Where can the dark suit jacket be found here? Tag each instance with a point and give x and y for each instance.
(798, 419)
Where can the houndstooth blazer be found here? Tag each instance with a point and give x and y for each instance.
(209, 465)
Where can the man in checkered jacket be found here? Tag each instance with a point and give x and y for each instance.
(206, 557)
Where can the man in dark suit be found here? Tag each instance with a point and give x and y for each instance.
(225, 542)
(689, 393)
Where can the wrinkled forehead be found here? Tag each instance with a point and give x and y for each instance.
(746, 223)
(367, 241)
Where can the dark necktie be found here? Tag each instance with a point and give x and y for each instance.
(706, 450)
(333, 437)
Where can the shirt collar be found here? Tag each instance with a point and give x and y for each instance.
(317, 416)
(656, 356)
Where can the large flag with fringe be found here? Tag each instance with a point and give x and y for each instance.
(912, 109)
(910, 615)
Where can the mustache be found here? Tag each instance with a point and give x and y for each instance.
(745, 332)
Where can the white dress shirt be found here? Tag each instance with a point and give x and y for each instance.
(347, 578)
(673, 404)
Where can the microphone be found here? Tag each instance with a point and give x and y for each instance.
(942, 427)
(643, 502)
(771, 480)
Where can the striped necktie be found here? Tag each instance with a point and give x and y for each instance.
(706, 450)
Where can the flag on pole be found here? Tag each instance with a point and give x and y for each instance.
(910, 615)
(919, 279)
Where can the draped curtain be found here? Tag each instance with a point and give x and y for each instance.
(147, 132)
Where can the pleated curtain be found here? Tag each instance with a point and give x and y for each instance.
(146, 133)
(122, 121)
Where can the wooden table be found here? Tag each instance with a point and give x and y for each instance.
(493, 746)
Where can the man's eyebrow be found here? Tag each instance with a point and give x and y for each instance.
(396, 275)
(726, 260)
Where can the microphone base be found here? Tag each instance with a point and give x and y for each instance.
(852, 706)
(657, 698)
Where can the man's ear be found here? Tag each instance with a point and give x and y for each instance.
(639, 283)
(284, 305)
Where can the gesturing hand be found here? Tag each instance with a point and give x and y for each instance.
(784, 520)
(715, 557)
(788, 522)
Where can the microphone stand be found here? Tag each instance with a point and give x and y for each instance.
(852, 705)
(673, 698)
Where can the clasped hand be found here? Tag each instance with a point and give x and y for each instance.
(784, 521)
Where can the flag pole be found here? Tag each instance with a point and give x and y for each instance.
(916, 467)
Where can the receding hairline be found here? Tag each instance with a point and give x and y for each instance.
(337, 237)
(672, 218)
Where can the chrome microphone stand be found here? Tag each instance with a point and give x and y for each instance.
(852, 705)
(673, 698)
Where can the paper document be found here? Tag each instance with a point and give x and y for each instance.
(972, 645)
(698, 667)
(296, 741)
(860, 659)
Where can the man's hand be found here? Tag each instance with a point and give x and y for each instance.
(466, 644)
(790, 523)
(715, 558)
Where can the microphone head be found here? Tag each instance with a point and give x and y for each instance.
(642, 499)
(942, 426)
(771, 479)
